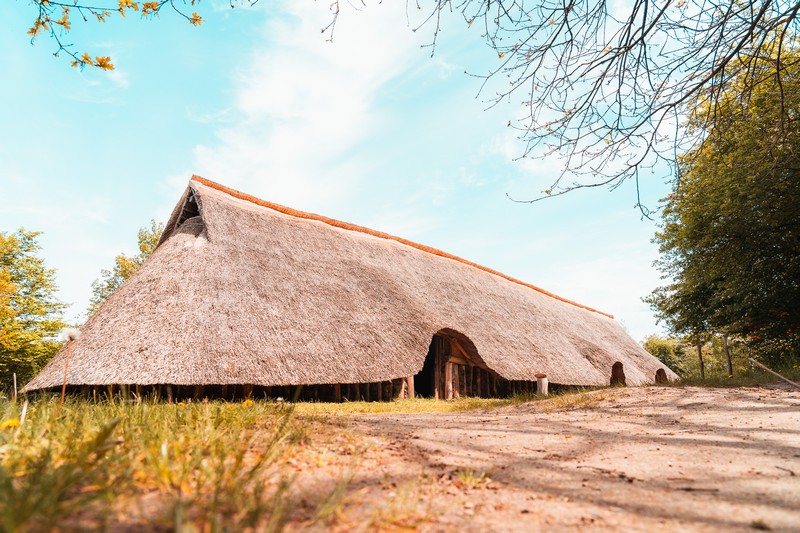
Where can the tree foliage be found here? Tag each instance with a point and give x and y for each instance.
(30, 314)
(668, 350)
(55, 18)
(124, 266)
(730, 239)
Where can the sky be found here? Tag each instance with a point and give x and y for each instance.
(367, 128)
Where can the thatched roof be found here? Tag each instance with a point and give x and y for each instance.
(240, 291)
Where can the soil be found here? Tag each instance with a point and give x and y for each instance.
(625, 459)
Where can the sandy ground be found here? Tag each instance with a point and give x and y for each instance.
(636, 459)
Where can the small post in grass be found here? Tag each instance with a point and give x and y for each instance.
(71, 335)
(541, 384)
(14, 397)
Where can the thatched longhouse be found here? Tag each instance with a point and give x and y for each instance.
(243, 294)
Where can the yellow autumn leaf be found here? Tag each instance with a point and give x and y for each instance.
(104, 63)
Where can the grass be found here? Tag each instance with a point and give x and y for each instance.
(206, 466)
(568, 399)
(216, 466)
(471, 478)
(210, 466)
(743, 376)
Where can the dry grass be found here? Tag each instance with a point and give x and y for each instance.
(210, 466)
(207, 466)
(568, 399)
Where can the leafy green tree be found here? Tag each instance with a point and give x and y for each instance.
(124, 266)
(668, 350)
(30, 314)
(730, 239)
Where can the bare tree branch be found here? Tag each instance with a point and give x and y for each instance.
(609, 91)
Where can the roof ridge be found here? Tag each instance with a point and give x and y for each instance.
(361, 229)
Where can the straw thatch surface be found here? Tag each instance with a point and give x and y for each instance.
(245, 294)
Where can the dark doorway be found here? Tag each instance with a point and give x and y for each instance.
(429, 382)
(424, 382)
(617, 374)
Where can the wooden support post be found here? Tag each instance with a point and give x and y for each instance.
(456, 381)
(448, 381)
(197, 392)
(380, 391)
(368, 395)
(138, 391)
(410, 386)
(478, 383)
(337, 393)
(248, 391)
(224, 392)
(169, 393)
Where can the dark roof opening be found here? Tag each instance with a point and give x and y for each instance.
(190, 209)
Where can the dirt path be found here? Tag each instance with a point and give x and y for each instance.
(637, 459)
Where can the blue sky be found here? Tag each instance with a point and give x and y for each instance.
(368, 129)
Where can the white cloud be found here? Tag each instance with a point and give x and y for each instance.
(119, 78)
(302, 103)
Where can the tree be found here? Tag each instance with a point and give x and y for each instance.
(603, 85)
(730, 238)
(124, 266)
(606, 86)
(668, 350)
(54, 18)
(30, 314)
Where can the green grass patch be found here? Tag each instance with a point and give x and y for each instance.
(212, 466)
